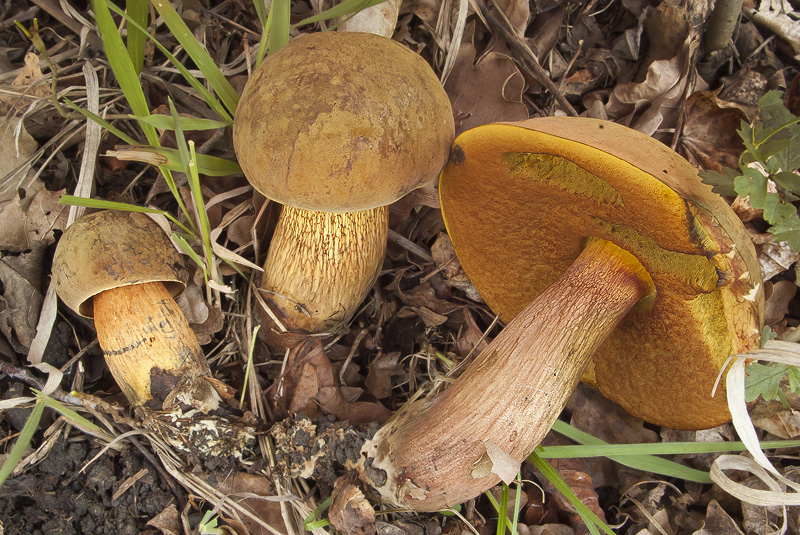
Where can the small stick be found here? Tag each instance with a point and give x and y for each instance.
(523, 55)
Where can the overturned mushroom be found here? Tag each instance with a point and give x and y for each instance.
(335, 126)
(609, 260)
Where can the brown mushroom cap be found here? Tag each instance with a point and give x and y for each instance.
(342, 121)
(111, 249)
(519, 200)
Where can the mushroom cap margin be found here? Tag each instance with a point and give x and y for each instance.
(112, 249)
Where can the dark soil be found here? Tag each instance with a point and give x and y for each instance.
(57, 497)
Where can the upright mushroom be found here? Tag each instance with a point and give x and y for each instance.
(335, 126)
(609, 259)
(121, 269)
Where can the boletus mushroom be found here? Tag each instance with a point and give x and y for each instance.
(609, 260)
(120, 269)
(335, 126)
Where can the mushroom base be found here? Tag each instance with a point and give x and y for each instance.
(151, 350)
(439, 452)
(319, 269)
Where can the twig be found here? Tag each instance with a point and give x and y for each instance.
(409, 246)
(523, 55)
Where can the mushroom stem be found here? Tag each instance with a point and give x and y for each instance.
(320, 266)
(150, 348)
(435, 452)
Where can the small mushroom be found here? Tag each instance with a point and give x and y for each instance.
(335, 126)
(609, 259)
(121, 269)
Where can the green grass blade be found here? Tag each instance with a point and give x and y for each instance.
(661, 448)
(186, 248)
(123, 69)
(261, 12)
(646, 463)
(207, 66)
(23, 440)
(589, 518)
(279, 23)
(266, 21)
(170, 160)
(165, 122)
(73, 417)
(102, 122)
(102, 204)
(198, 86)
(137, 11)
(347, 7)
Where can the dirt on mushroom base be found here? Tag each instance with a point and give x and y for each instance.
(56, 497)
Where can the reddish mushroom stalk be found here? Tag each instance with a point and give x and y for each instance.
(436, 453)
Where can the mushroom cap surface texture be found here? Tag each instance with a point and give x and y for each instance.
(342, 121)
(111, 249)
(519, 199)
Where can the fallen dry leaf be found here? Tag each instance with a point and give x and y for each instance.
(709, 138)
(27, 224)
(22, 299)
(168, 521)
(17, 146)
(775, 258)
(718, 522)
(383, 368)
(486, 91)
(254, 493)
(310, 385)
(470, 338)
(655, 102)
(777, 306)
(350, 512)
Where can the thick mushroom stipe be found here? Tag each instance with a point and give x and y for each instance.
(150, 348)
(321, 266)
(433, 453)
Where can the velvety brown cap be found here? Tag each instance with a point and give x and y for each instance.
(111, 249)
(519, 200)
(342, 121)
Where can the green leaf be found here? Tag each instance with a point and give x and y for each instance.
(776, 210)
(788, 231)
(721, 183)
(646, 463)
(788, 180)
(752, 183)
(793, 373)
(746, 133)
(772, 116)
(764, 380)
